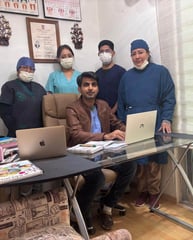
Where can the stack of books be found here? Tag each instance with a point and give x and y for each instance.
(10, 172)
(8, 149)
(96, 146)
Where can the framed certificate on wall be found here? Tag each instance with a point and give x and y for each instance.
(43, 39)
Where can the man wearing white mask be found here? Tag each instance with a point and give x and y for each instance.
(21, 99)
(64, 79)
(109, 74)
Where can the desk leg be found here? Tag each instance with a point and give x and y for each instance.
(76, 209)
(178, 166)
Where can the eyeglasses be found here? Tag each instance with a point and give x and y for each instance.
(27, 69)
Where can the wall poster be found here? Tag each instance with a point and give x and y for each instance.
(29, 7)
(62, 9)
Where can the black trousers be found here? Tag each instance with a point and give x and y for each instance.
(94, 181)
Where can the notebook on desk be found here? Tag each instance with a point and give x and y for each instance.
(38, 143)
(140, 126)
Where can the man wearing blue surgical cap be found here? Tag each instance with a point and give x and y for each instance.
(145, 87)
(21, 99)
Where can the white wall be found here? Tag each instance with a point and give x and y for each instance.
(125, 20)
(85, 59)
(19, 45)
(120, 21)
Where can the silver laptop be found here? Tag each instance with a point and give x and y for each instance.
(140, 126)
(38, 143)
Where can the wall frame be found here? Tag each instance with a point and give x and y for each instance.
(43, 39)
(18, 6)
(62, 9)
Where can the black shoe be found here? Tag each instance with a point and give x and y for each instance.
(106, 221)
(90, 229)
(121, 209)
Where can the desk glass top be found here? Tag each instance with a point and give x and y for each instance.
(160, 143)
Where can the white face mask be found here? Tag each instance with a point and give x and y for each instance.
(67, 62)
(26, 76)
(145, 63)
(106, 58)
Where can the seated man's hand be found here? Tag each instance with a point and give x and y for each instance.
(117, 134)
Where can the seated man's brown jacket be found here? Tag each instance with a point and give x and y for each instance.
(78, 121)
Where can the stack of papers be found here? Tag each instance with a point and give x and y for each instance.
(115, 145)
(86, 148)
(96, 146)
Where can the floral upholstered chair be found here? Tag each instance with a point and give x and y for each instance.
(44, 216)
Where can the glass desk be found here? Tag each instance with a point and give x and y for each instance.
(161, 143)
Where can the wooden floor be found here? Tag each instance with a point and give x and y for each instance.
(145, 225)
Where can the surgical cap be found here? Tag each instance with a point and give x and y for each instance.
(106, 42)
(25, 61)
(139, 43)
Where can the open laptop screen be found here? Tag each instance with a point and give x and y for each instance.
(38, 143)
(140, 126)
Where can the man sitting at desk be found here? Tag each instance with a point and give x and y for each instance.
(90, 119)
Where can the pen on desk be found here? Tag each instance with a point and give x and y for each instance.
(87, 145)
